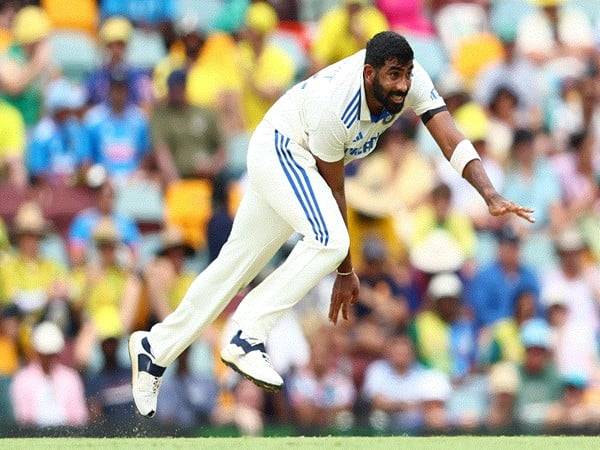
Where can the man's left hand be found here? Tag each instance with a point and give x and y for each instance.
(499, 206)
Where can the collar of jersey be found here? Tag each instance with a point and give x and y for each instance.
(365, 113)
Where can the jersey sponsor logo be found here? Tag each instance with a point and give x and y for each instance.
(365, 149)
(358, 137)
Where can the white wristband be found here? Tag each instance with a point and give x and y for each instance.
(463, 154)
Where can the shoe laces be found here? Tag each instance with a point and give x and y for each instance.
(156, 384)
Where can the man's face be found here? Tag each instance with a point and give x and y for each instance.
(391, 83)
(509, 254)
(570, 261)
(118, 96)
(105, 199)
(192, 42)
(177, 94)
(116, 51)
(535, 359)
(400, 353)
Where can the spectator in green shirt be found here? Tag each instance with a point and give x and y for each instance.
(540, 384)
(187, 140)
(25, 62)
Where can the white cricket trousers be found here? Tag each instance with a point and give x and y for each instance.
(286, 193)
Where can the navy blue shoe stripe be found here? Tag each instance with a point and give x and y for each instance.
(288, 171)
(355, 101)
(146, 346)
(321, 220)
(245, 345)
(145, 364)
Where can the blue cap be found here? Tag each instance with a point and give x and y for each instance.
(536, 333)
(177, 78)
(578, 380)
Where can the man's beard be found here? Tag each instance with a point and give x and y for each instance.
(383, 98)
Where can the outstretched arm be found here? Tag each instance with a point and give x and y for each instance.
(442, 128)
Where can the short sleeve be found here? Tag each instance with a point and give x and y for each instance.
(326, 135)
(423, 96)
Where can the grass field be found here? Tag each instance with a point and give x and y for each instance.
(341, 443)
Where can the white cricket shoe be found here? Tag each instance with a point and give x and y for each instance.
(249, 358)
(146, 376)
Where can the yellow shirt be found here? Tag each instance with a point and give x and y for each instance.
(102, 302)
(179, 288)
(9, 358)
(27, 282)
(334, 40)
(173, 61)
(273, 68)
(215, 72)
(12, 131)
(459, 226)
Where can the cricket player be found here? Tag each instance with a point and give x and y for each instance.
(296, 161)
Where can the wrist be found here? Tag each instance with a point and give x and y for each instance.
(344, 273)
(489, 194)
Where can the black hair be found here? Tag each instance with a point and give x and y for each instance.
(577, 139)
(523, 136)
(385, 46)
(442, 190)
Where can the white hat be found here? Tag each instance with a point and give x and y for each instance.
(48, 339)
(569, 240)
(434, 386)
(438, 253)
(444, 285)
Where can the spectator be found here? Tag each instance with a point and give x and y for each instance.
(434, 393)
(503, 380)
(572, 412)
(26, 276)
(84, 223)
(573, 307)
(8, 10)
(45, 392)
(267, 69)
(12, 145)
(167, 277)
(389, 184)
(59, 148)
(182, 55)
(539, 385)
(439, 214)
(10, 318)
(442, 336)
(505, 342)
(25, 64)
(114, 35)
(108, 292)
(141, 12)
(187, 139)
(320, 394)
(531, 180)
(503, 110)
(345, 30)
(408, 16)
(554, 30)
(119, 134)
(384, 296)
(109, 391)
(493, 289)
(572, 279)
(391, 386)
(187, 398)
(517, 74)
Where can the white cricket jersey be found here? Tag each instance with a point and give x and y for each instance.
(328, 115)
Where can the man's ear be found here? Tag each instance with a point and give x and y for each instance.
(369, 73)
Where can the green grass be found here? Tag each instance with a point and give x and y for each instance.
(342, 443)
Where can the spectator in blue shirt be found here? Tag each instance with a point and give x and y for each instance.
(119, 132)
(531, 180)
(146, 12)
(84, 224)
(114, 35)
(492, 291)
(59, 145)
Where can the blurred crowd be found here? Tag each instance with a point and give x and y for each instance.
(123, 131)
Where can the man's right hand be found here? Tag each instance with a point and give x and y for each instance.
(344, 293)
